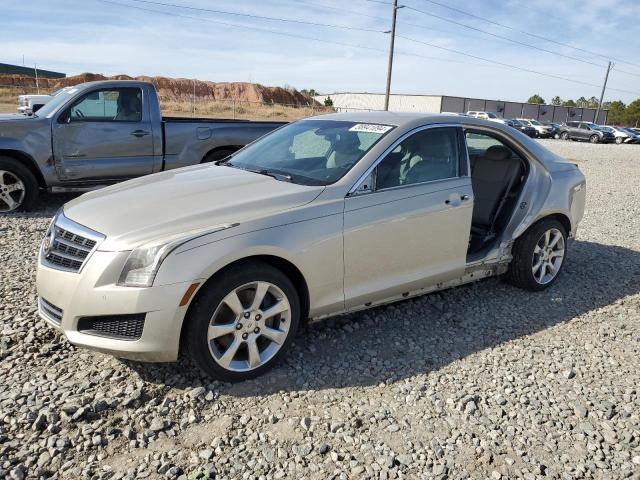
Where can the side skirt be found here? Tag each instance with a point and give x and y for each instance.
(473, 273)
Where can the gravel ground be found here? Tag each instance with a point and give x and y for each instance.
(482, 381)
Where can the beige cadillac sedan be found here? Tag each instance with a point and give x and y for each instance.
(326, 215)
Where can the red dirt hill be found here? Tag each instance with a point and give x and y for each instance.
(178, 88)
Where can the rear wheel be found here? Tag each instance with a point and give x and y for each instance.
(564, 135)
(538, 256)
(619, 140)
(594, 139)
(18, 186)
(243, 324)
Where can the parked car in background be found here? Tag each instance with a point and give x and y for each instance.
(555, 129)
(492, 116)
(29, 104)
(636, 130)
(634, 137)
(331, 214)
(620, 134)
(543, 131)
(99, 133)
(526, 129)
(586, 131)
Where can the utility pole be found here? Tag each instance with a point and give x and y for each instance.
(35, 67)
(604, 86)
(393, 40)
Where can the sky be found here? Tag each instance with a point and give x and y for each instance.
(113, 37)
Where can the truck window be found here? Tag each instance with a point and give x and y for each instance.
(108, 105)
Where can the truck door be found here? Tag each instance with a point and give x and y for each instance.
(104, 135)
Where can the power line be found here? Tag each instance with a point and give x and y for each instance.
(261, 17)
(515, 67)
(528, 45)
(534, 35)
(350, 45)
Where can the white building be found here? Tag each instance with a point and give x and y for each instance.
(353, 102)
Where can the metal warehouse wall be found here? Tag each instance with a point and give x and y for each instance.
(550, 113)
(8, 69)
(344, 102)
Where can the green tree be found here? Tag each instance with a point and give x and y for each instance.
(328, 102)
(582, 102)
(593, 102)
(537, 99)
(632, 113)
(556, 100)
(616, 112)
(569, 103)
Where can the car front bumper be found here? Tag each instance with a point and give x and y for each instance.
(67, 299)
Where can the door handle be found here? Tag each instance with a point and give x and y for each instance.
(140, 133)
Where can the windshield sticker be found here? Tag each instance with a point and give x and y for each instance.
(370, 128)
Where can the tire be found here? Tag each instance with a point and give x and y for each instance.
(527, 254)
(217, 155)
(237, 332)
(594, 139)
(619, 140)
(564, 135)
(18, 186)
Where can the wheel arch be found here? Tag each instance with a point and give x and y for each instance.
(232, 148)
(27, 161)
(285, 266)
(561, 217)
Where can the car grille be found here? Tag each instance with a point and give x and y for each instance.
(68, 245)
(121, 327)
(50, 311)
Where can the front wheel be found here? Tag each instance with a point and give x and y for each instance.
(18, 186)
(242, 324)
(619, 140)
(594, 139)
(564, 135)
(538, 256)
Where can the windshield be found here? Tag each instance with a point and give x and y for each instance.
(491, 115)
(310, 152)
(60, 97)
(606, 129)
(517, 123)
(535, 122)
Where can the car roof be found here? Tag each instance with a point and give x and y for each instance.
(400, 119)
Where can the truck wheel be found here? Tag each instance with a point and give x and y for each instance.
(538, 256)
(217, 155)
(564, 135)
(243, 323)
(594, 139)
(18, 186)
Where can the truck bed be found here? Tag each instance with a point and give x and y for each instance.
(215, 120)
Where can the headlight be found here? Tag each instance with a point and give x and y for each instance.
(143, 262)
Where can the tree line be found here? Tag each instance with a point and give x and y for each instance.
(619, 112)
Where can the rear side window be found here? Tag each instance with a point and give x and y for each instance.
(108, 105)
(429, 155)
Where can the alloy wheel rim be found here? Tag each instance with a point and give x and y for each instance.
(12, 191)
(249, 326)
(548, 256)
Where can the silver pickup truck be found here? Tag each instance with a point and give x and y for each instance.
(99, 133)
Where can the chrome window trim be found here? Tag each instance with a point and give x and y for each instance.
(69, 225)
(354, 188)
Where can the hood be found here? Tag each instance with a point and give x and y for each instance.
(149, 208)
(14, 117)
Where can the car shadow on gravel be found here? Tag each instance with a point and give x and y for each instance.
(421, 335)
(46, 205)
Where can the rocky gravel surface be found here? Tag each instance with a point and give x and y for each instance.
(483, 381)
